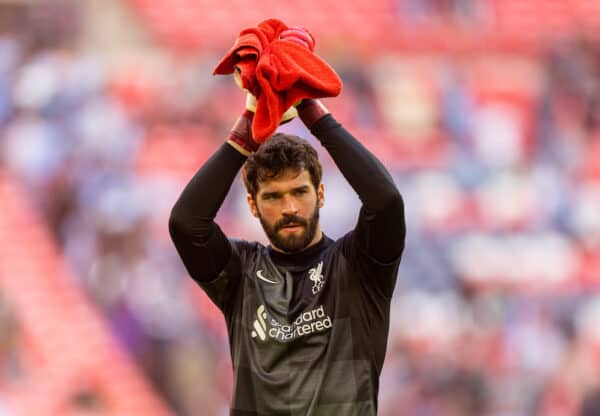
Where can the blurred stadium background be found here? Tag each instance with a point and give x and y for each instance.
(487, 113)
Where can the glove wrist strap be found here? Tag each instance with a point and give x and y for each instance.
(240, 136)
(310, 111)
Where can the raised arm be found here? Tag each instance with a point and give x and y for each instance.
(381, 226)
(201, 244)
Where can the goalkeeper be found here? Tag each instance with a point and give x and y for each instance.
(307, 316)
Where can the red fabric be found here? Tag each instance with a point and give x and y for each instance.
(277, 72)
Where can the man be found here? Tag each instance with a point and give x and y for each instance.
(307, 316)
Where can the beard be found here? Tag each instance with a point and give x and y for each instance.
(293, 242)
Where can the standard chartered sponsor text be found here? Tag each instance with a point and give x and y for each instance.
(305, 324)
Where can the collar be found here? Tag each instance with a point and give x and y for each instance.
(301, 257)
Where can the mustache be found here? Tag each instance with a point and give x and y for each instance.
(290, 219)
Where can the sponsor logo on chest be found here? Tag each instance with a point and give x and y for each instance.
(307, 323)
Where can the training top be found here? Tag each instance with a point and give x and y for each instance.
(307, 331)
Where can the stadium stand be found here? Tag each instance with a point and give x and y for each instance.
(376, 26)
(59, 357)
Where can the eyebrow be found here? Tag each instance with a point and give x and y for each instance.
(277, 193)
(270, 194)
(301, 188)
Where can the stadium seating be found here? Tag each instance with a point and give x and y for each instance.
(201, 25)
(61, 358)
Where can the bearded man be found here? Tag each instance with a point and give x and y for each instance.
(307, 316)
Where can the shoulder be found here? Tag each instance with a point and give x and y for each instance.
(361, 261)
(345, 245)
(245, 248)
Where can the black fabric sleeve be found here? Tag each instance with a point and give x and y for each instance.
(381, 228)
(201, 244)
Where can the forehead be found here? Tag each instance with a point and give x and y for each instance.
(288, 179)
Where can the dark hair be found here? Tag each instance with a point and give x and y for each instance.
(281, 152)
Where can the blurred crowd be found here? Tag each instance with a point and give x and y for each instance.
(497, 155)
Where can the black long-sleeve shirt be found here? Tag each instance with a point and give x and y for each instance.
(307, 330)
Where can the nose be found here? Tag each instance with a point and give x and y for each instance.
(288, 205)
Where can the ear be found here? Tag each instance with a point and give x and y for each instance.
(252, 205)
(321, 195)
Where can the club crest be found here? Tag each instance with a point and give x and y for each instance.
(316, 276)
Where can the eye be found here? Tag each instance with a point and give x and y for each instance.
(300, 191)
(270, 196)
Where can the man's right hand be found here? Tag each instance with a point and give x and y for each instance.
(289, 114)
(240, 136)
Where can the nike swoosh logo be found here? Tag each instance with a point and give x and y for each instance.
(259, 274)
